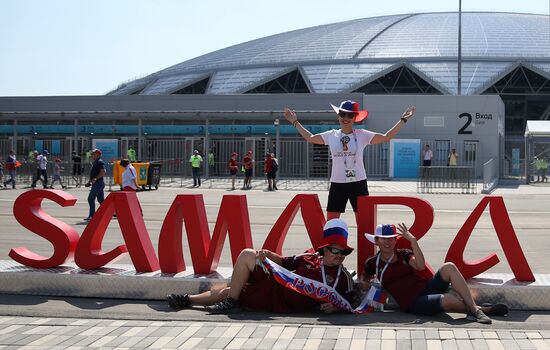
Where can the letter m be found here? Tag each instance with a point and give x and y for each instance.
(205, 251)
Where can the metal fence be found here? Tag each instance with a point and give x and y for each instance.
(297, 158)
(448, 179)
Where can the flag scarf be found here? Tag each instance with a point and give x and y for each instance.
(374, 299)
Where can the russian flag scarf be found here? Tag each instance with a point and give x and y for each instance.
(374, 299)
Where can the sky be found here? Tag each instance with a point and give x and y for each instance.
(89, 47)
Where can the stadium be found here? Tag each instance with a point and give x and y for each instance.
(231, 99)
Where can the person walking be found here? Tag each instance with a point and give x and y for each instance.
(233, 165)
(269, 172)
(129, 178)
(96, 182)
(57, 168)
(11, 166)
(77, 169)
(42, 172)
(348, 177)
(196, 162)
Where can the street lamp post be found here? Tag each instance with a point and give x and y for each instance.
(277, 140)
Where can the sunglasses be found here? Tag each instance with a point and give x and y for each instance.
(344, 252)
(349, 115)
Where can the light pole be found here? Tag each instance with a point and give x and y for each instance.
(459, 77)
(277, 141)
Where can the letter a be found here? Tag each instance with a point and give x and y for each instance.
(313, 218)
(28, 212)
(138, 244)
(506, 236)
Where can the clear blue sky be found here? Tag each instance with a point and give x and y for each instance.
(88, 47)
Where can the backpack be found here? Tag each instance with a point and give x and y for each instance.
(274, 165)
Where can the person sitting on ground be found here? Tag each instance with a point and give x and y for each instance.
(252, 288)
(397, 272)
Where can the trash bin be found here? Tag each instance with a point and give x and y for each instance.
(141, 173)
(153, 176)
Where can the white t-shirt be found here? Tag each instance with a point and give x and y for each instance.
(42, 161)
(128, 177)
(347, 153)
(428, 154)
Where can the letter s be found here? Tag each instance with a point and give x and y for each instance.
(28, 212)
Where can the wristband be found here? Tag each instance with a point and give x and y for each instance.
(404, 119)
(294, 123)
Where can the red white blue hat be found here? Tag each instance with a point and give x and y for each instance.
(351, 107)
(382, 231)
(335, 232)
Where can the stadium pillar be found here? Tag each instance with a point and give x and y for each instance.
(459, 68)
(14, 141)
(277, 140)
(139, 140)
(206, 151)
(75, 136)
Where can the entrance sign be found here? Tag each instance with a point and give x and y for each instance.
(108, 147)
(404, 158)
(233, 220)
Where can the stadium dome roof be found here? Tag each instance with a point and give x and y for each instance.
(352, 56)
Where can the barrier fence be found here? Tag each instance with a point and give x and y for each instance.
(450, 179)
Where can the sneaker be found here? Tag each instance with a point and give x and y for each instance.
(224, 305)
(178, 301)
(478, 316)
(88, 218)
(499, 309)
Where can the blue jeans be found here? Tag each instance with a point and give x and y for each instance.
(11, 180)
(41, 173)
(96, 192)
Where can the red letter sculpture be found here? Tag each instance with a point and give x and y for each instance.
(205, 253)
(138, 244)
(313, 217)
(423, 220)
(506, 236)
(28, 212)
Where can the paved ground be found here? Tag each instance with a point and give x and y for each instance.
(36, 322)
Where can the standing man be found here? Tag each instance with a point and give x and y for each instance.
(453, 158)
(427, 156)
(233, 168)
(77, 169)
(10, 166)
(96, 182)
(132, 154)
(196, 162)
(248, 164)
(42, 173)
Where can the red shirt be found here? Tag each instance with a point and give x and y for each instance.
(232, 164)
(400, 280)
(262, 292)
(268, 165)
(247, 160)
